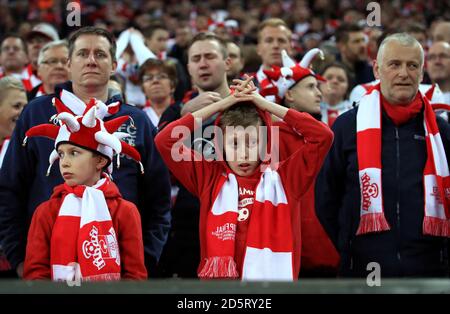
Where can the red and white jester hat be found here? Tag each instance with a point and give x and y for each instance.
(290, 73)
(82, 125)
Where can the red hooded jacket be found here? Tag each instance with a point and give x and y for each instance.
(126, 221)
(297, 172)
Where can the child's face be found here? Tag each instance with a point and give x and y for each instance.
(306, 96)
(79, 166)
(241, 149)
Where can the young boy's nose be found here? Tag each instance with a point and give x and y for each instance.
(64, 162)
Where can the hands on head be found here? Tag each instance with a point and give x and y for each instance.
(243, 87)
(245, 90)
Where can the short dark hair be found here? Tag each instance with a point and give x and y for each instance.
(14, 35)
(166, 66)
(242, 114)
(343, 31)
(97, 31)
(210, 36)
(152, 28)
(241, 52)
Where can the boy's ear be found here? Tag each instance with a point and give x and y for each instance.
(288, 96)
(101, 162)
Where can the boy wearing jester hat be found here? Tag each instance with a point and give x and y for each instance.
(86, 231)
(249, 227)
(296, 86)
(23, 181)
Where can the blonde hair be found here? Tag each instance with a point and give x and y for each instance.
(7, 83)
(273, 22)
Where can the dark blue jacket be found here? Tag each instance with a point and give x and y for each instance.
(24, 185)
(403, 250)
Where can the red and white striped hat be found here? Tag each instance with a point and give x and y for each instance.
(82, 125)
(290, 73)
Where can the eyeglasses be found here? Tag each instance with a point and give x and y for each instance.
(441, 56)
(55, 61)
(150, 77)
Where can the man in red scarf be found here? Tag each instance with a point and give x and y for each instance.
(383, 193)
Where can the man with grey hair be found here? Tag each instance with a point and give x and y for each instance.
(382, 194)
(52, 68)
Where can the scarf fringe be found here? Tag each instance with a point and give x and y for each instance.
(436, 226)
(103, 277)
(219, 267)
(372, 223)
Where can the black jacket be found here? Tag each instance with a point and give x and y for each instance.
(183, 238)
(403, 250)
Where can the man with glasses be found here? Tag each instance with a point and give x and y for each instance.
(13, 56)
(52, 68)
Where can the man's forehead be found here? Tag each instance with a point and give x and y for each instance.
(204, 47)
(355, 35)
(395, 50)
(161, 32)
(275, 31)
(91, 41)
(56, 50)
(12, 41)
(439, 47)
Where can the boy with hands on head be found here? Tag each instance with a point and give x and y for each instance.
(246, 198)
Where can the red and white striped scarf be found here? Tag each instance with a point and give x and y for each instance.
(29, 79)
(436, 173)
(41, 91)
(3, 149)
(266, 86)
(269, 249)
(162, 55)
(84, 243)
(330, 113)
